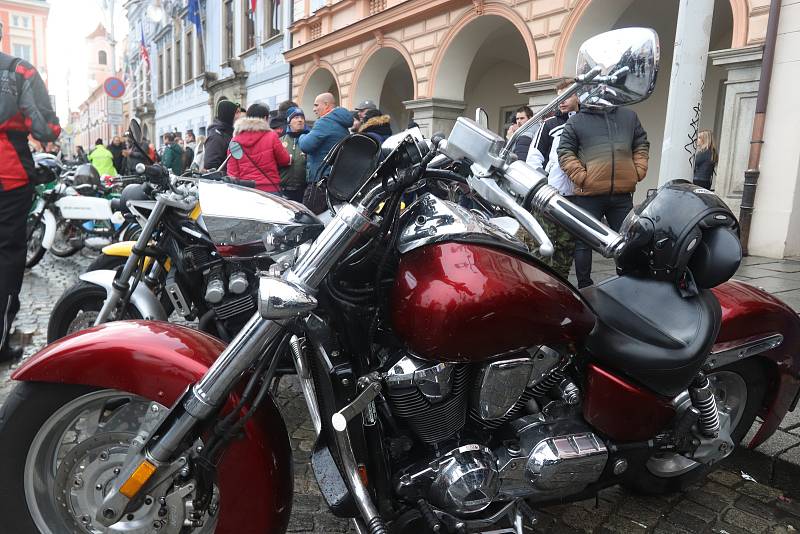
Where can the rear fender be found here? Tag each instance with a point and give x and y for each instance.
(750, 313)
(158, 361)
(142, 299)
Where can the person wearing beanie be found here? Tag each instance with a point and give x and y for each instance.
(293, 175)
(219, 134)
(376, 125)
(263, 151)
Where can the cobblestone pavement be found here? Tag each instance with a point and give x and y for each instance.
(727, 502)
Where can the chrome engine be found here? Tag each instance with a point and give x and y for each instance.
(549, 459)
(443, 403)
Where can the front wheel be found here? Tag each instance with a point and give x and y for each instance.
(739, 390)
(35, 237)
(68, 239)
(61, 447)
(78, 308)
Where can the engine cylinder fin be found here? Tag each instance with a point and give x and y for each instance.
(234, 307)
(433, 422)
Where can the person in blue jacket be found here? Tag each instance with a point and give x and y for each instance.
(333, 125)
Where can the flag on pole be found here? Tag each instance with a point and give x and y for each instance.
(253, 5)
(194, 16)
(143, 50)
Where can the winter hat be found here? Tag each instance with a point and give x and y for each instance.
(226, 111)
(371, 114)
(294, 112)
(258, 111)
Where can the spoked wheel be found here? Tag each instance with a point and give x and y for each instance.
(77, 309)
(739, 390)
(62, 449)
(67, 241)
(35, 236)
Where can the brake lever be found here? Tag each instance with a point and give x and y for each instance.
(490, 191)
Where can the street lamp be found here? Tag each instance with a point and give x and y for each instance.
(155, 11)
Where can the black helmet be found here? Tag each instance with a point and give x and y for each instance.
(131, 192)
(86, 174)
(682, 233)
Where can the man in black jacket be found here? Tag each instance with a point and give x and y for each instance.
(24, 109)
(220, 134)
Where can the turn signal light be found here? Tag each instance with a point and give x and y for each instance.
(139, 478)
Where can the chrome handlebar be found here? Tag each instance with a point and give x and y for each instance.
(531, 184)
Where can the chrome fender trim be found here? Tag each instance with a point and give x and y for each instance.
(741, 349)
(142, 299)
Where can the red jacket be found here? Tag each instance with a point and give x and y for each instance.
(263, 154)
(24, 109)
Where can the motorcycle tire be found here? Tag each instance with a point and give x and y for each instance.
(25, 411)
(131, 232)
(82, 298)
(34, 421)
(64, 246)
(753, 374)
(35, 235)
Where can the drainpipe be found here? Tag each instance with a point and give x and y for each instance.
(757, 137)
(288, 15)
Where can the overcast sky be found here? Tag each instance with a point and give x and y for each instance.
(69, 23)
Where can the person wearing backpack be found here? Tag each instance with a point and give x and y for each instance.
(25, 110)
(263, 151)
(293, 175)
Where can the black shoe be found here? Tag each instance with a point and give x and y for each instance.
(10, 354)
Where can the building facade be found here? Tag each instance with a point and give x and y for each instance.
(24, 23)
(94, 113)
(238, 56)
(439, 59)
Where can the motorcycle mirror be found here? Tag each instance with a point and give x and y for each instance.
(628, 60)
(237, 152)
(135, 131)
(481, 117)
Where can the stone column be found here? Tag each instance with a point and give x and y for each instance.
(539, 92)
(435, 114)
(689, 62)
(741, 88)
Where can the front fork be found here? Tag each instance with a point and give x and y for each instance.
(121, 284)
(206, 397)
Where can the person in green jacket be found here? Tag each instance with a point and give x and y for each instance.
(293, 176)
(173, 154)
(102, 159)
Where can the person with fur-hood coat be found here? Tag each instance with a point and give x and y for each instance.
(263, 151)
(376, 125)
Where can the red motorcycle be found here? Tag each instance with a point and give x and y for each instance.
(455, 382)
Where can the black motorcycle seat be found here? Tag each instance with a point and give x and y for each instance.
(646, 330)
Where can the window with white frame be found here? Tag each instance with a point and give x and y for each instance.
(24, 51)
(227, 29)
(20, 21)
(248, 25)
(273, 15)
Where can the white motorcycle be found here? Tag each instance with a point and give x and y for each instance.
(80, 210)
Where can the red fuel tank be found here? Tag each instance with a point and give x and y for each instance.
(466, 302)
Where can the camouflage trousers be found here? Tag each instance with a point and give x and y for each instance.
(563, 243)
